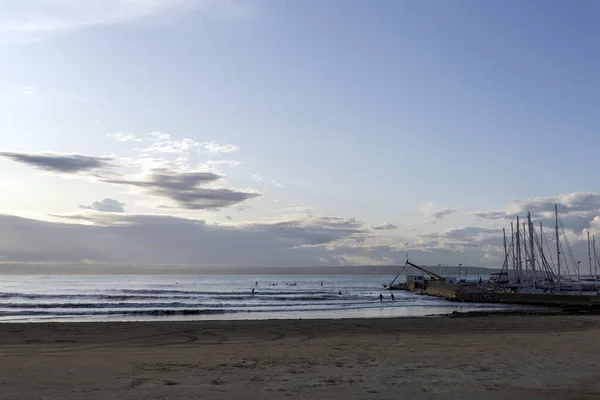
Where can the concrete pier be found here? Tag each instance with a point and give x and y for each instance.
(481, 294)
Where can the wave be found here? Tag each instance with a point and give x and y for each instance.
(157, 312)
(242, 305)
(153, 312)
(171, 295)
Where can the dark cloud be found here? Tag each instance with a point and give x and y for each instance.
(582, 203)
(106, 205)
(492, 214)
(384, 227)
(576, 210)
(438, 215)
(60, 163)
(156, 239)
(476, 239)
(187, 189)
(315, 231)
(463, 233)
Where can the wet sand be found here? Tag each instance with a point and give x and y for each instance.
(491, 357)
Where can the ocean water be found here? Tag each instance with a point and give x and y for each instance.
(196, 297)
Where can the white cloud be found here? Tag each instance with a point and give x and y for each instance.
(213, 165)
(28, 90)
(213, 148)
(161, 142)
(257, 178)
(278, 184)
(25, 20)
(106, 205)
(125, 137)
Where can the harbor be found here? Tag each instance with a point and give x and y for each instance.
(536, 270)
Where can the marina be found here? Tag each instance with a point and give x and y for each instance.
(530, 274)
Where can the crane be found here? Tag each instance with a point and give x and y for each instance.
(433, 276)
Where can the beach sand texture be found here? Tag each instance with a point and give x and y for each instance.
(484, 357)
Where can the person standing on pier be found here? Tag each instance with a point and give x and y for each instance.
(380, 297)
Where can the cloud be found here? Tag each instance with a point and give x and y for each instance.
(161, 142)
(491, 214)
(299, 240)
(384, 227)
(469, 233)
(438, 215)
(106, 205)
(313, 230)
(60, 163)
(257, 178)
(213, 148)
(434, 214)
(26, 20)
(125, 137)
(28, 90)
(156, 239)
(173, 181)
(295, 208)
(186, 189)
(278, 184)
(576, 209)
(213, 165)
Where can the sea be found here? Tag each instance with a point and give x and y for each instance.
(211, 297)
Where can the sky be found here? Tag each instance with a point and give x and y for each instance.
(257, 132)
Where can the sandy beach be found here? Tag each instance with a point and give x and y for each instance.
(492, 357)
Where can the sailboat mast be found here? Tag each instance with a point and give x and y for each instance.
(589, 253)
(519, 266)
(541, 248)
(505, 251)
(557, 245)
(512, 245)
(541, 241)
(595, 258)
(531, 250)
(525, 251)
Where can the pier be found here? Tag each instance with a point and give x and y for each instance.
(482, 294)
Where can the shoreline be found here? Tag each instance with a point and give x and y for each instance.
(349, 314)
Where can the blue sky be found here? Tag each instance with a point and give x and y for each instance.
(383, 112)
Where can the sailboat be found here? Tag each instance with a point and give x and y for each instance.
(535, 271)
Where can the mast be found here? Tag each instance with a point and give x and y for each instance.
(531, 250)
(519, 266)
(525, 251)
(541, 249)
(541, 241)
(557, 245)
(595, 257)
(505, 251)
(589, 253)
(512, 245)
